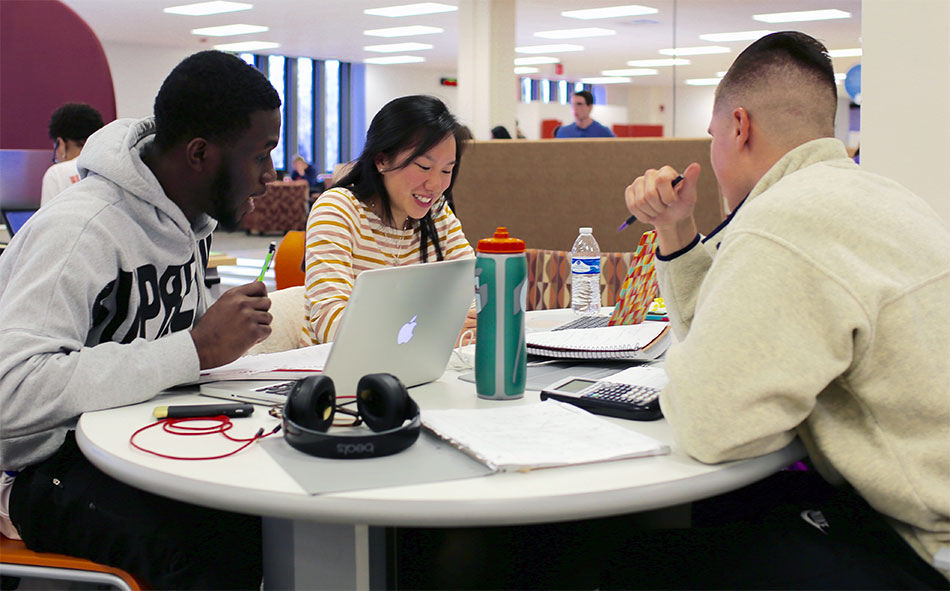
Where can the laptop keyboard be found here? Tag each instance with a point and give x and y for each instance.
(585, 322)
(282, 389)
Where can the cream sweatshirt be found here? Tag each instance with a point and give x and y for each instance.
(822, 309)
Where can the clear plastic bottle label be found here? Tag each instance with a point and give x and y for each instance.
(585, 266)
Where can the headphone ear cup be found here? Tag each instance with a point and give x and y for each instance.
(312, 403)
(382, 400)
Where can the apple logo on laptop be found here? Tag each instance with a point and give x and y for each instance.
(405, 332)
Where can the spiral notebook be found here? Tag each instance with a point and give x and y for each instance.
(640, 342)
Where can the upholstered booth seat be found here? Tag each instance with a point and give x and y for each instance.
(281, 208)
(549, 277)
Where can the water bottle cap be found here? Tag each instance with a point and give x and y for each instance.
(586, 230)
(501, 243)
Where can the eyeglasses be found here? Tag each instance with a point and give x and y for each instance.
(55, 148)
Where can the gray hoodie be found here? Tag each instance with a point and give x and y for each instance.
(97, 295)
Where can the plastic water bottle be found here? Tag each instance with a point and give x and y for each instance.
(501, 276)
(585, 274)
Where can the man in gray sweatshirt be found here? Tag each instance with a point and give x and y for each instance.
(103, 303)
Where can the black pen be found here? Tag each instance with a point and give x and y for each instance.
(633, 218)
(240, 409)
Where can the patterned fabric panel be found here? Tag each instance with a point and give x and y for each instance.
(281, 208)
(549, 277)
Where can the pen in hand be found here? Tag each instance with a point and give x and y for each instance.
(633, 218)
(270, 256)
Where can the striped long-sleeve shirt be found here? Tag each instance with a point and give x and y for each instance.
(345, 237)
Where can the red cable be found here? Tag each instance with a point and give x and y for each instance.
(174, 427)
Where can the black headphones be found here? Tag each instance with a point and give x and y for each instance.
(382, 402)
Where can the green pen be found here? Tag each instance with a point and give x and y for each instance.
(270, 256)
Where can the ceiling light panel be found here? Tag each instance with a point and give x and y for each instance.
(801, 16)
(670, 61)
(855, 52)
(610, 12)
(606, 80)
(556, 48)
(703, 81)
(247, 46)
(701, 50)
(737, 36)
(411, 9)
(394, 59)
(228, 30)
(397, 47)
(535, 61)
(206, 8)
(631, 72)
(403, 31)
(576, 33)
(526, 70)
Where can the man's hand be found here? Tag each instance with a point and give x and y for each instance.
(233, 324)
(653, 200)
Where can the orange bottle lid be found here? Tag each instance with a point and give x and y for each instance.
(501, 243)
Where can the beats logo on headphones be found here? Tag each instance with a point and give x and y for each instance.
(382, 403)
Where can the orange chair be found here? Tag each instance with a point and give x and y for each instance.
(17, 561)
(288, 267)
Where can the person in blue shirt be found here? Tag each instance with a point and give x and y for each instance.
(584, 126)
(303, 170)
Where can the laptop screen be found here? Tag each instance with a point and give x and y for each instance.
(14, 219)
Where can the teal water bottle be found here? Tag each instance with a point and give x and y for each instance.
(501, 276)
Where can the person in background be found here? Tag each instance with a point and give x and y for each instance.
(842, 340)
(518, 133)
(584, 126)
(303, 170)
(69, 127)
(499, 132)
(103, 303)
(393, 207)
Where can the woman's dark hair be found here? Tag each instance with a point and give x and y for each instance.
(417, 123)
(500, 132)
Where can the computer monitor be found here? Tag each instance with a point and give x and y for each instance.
(14, 218)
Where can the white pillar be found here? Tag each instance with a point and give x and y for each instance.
(905, 95)
(486, 81)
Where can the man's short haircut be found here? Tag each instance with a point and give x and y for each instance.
(212, 95)
(799, 61)
(588, 97)
(74, 121)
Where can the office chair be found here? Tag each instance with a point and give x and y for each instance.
(288, 267)
(17, 561)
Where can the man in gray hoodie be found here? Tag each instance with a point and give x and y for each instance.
(103, 303)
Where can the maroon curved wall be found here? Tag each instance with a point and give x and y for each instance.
(48, 56)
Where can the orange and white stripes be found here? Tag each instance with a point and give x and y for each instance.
(345, 237)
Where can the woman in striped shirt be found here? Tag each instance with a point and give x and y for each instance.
(392, 208)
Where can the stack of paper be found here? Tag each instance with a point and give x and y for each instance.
(544, 435)
(643, 342)
(285, 365)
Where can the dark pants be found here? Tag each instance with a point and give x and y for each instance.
(754, 538)
(757, 538)
(66, 505)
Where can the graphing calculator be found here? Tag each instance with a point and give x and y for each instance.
(612, 399)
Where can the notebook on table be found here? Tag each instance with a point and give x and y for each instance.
(637, 342)
(399, 320)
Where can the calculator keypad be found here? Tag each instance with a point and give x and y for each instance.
(622, 393)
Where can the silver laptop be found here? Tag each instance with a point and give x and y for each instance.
(399, 320)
